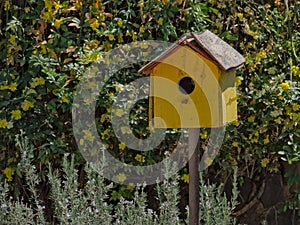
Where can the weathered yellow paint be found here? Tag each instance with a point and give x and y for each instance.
(229, 95)
(204, 107)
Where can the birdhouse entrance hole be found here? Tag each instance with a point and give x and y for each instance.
(186, 85)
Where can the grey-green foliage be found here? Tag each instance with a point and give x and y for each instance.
(74, 205)
(89, 205)
(215, 208)
(17, 212)
(135, 211)
(168, 196)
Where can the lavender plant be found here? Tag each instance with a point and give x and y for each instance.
(90, 204)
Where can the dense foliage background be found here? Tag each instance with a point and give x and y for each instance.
(45, 47)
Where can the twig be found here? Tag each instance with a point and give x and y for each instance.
(252, 202)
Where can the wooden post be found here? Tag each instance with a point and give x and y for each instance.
(194, 145)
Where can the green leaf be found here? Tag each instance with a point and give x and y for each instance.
(229, 36)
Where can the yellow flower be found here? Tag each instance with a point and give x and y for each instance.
(57, 23)
(57, 5)
(139, 158)
(185, 177)
(104, 134)
(96, 5)
(251, 119)
(128, 33)
(126, 130)
(295, 107)
(252, 66)
(160, 21)
(235, 144)
(27, 9)
(126, 47)
(120, 23)
(280, 96)
(78, 4)
(8, 173)
(134, 36)
(94, 24)
(249, 45)
(44, 49)
(236, 123)
(88, 135)
(9, 51)
(278, 120)
(40, 81)
(16, 114)
(93, 57)
(111, 37)
(144, 45)
(130, 187)
(64, 99)
(48, 4)
(203, 134)
(121, 177)
(240, 16)
(264, 162)
(122, 146)
(47, 16)
(288, 110)
(12, 39)
(254, 140)
(208, 161)
(266, 140)
(295, 70)
(142, 29)
(6, 5)
(81, 141)
(103, 118)
(119, 112)
(26, 105)
(238, 81)
(12, 76)
(285, 86)
(13, 86)
(3, 123)
(141, 4)
(263, 54)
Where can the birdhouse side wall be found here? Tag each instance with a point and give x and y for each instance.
(229, 95)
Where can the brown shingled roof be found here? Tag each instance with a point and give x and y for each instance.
(208, 45)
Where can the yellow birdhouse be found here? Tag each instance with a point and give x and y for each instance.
(192, 83)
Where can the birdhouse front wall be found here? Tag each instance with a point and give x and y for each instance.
(203, 106)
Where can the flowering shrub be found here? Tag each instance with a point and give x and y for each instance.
(46, 46)
(45, 51)
(267, 130)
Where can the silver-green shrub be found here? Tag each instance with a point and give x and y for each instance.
(90, 204)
